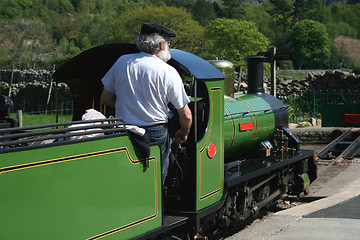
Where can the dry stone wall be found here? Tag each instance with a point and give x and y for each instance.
(30, 89)
(321, 80)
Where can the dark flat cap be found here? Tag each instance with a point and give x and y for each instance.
(151, 28)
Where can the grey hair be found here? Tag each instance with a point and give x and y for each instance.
(149, 43)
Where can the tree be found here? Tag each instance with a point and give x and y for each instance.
(180, 3)
(311, 44)
(300, 8)
(65, 25)
(349, 14)
(340, 29)
(257, 15)
(189, 33)
(230, 9)
(203, 12)
(317, 11)
(281, 11)
(10, 10)
(234, 40)
(25, 43)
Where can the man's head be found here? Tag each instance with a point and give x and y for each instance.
(153, 39)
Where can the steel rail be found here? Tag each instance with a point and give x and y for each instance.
(325, 150)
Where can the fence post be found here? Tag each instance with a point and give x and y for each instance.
(11, 80)
(314, 104)
(273, 71)
(50, 88)
(239, 80)
(20, 118)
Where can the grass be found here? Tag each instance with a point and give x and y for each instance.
(41, 119)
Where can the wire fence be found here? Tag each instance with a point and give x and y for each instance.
(35, 99)
(303, 105)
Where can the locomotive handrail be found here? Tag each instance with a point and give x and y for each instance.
(24, 135)
(59, 130)
(59, 136)
(62, 124)
(266, 110)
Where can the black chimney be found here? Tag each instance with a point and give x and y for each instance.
(255, 74)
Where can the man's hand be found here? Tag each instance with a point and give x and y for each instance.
(180, 136)
(185, 116)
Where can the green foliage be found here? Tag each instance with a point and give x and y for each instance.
(235, 39)
(349, 14)
(311, 45)
(300, 8)
(252, 13)
(281, 11)
(203, 12)
(28, 42)
(317, 11)
(189, 33)
(259, 16)
(10, 10)
(73, 26)
(340, 29)
(286, 64)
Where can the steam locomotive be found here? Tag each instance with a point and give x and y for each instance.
(87, 179)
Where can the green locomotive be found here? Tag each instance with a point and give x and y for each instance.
(87, 180)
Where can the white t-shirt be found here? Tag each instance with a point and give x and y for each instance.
(144, 85)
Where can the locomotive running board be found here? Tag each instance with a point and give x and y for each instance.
(256, 167)
(169, 222)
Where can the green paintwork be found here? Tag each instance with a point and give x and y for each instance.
(236, 141)
(225, 133)
(210, 171)
(306, 180)
(92, 188)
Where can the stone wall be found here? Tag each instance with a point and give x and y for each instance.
(303, 71)
(27, 82)
(30, 91)
(28, 75)
(327, 80)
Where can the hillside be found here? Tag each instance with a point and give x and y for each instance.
(349, 47)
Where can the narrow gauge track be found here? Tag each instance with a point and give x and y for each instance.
(342, 149)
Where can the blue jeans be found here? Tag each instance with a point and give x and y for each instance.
(159, 136)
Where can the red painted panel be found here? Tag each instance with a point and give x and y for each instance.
(352, 118)
(246, 126)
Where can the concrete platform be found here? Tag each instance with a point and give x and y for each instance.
(335, 216)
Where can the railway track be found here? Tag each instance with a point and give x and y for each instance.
(344, 150)
(341, 150)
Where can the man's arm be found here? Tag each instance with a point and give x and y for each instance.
(185, 116)
(108, 98)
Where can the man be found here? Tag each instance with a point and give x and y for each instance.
(140, 86)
